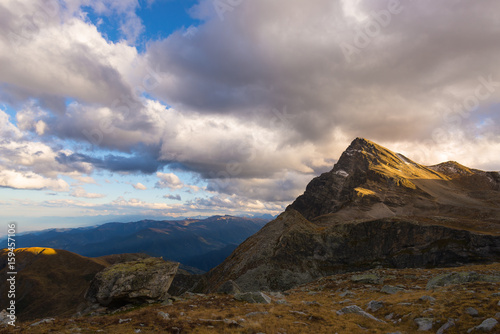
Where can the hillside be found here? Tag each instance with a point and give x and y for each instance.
(374, 208)
(49, 281)
(199, 243)
(453, 300)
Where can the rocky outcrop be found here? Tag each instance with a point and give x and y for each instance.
(303, 251)
(375, 208)
(132, 282)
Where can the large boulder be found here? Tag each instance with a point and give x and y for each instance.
(133, 282)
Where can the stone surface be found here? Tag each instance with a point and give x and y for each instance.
(424, 324)
(43, 321)
(253, 297)
(460, 278)
(229, 288)
(450, 323)
(132, 282)
(471, 311)
(391, 289)
(357, 310)
(486, 326)
(427, 299)
(367, 278)
(375, 305)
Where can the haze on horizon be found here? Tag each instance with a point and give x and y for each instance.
(167, 108)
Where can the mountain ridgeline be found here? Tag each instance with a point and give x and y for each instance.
(197, 243)
(374, 208)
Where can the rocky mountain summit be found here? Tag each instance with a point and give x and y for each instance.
(374, 208)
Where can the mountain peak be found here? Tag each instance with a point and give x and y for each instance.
(371, 181)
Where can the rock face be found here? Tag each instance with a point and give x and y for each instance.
(375, 208)
(132, 282)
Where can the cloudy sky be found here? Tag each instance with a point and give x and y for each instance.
(168, 108)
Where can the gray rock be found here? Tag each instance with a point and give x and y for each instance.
(497, 315)
(347, 294)
(427, 299)
(424, 324)
(132, 282)
(43, 321)
(121, 321)
(460, 278)
(253, 314)
(367, 279)
(313, 303)
(5, 317)
(253, 297)
(471, 311)
(487, 325)
(281, 302)
(375, 305)
(357, 310)
(229, 288)
(164, 315)
(389, 289)
(450, 323)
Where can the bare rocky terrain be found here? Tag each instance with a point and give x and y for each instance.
(451, 300)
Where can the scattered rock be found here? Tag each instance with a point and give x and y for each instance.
(486, 326)
(471, 311)
(253, 314)
(44, 321)
(281, 302)
(375, 305)
(229, 288)
(5, 317)
(164, 315)
(121, 321)
(450, 323)
(424, 324)
(132, 282)
(389, 289)
(253, 297)
(313, 303)
(367, 279)
(460, 278)
(427, 299)
(298, 312)
(357, 310)
(347, 294)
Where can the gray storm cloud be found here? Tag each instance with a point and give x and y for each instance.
(266, 93)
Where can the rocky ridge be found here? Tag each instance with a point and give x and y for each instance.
(375, 208)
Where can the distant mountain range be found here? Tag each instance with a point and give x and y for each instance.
(198, 243)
